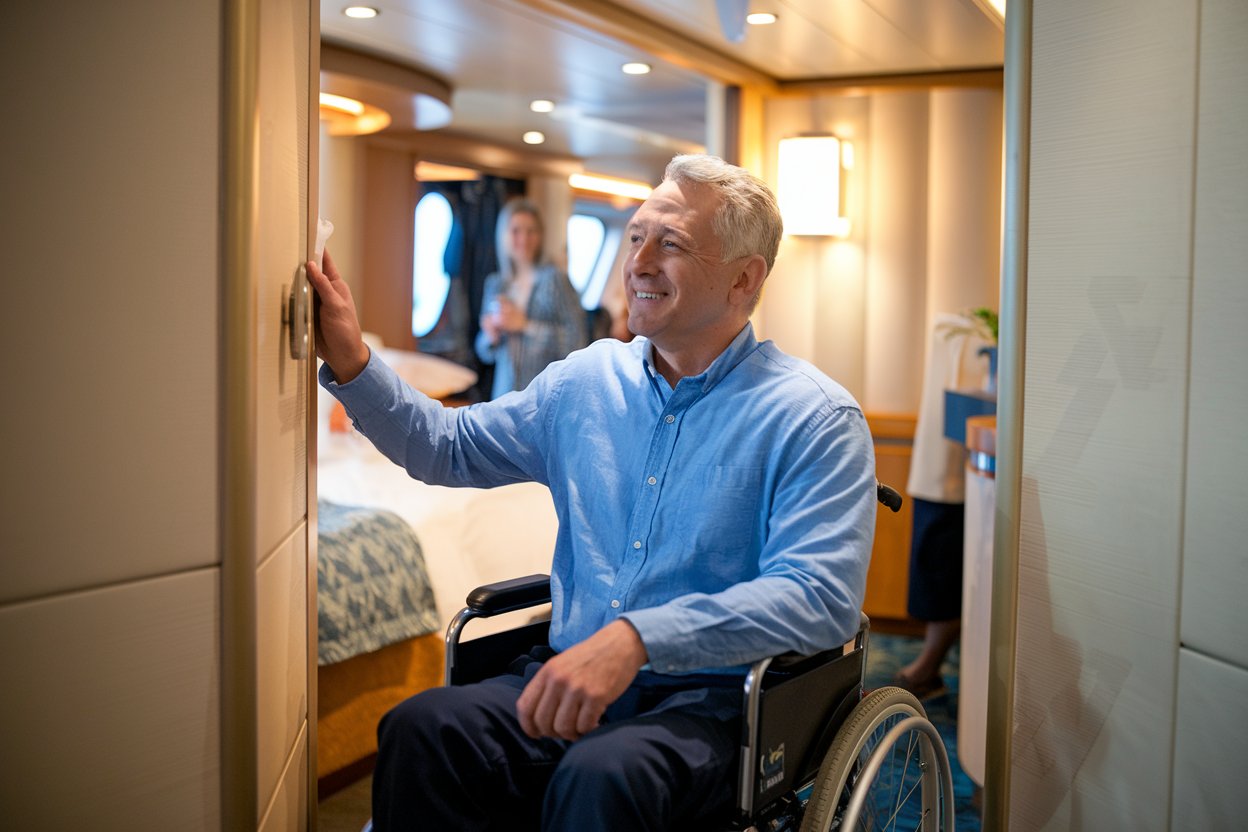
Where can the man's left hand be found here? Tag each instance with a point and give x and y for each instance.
(569, 694)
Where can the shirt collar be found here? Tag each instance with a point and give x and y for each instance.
(741, 346)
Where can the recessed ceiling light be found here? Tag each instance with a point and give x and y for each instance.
(360, 12)
(534, 137)
(542, 105)
(635, 68)
(760, 18)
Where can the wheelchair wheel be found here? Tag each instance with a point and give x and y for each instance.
(887, 769)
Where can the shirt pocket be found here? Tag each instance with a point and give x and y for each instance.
(721, 518)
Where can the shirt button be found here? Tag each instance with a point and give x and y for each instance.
(615, 605)
(652, 480)
(636, 544)
(669, 418)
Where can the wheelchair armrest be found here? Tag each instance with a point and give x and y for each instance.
(794, 664)
(510, 595)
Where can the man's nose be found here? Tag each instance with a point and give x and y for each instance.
(641, 259)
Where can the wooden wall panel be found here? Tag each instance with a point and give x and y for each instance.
(889, 573)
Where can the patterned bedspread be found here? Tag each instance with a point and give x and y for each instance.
(372, 586)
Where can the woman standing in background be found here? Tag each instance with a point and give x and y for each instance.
(531, 314)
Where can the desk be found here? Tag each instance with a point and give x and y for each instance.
(981, 444)
(961, 405)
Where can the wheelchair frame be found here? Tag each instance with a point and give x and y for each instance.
(787, 745)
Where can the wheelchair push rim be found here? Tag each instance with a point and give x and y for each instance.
(887, 769)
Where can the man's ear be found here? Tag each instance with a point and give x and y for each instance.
(749, 279)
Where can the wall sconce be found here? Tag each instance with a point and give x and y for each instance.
(812, 185)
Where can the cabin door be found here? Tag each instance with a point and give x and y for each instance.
(269, 577)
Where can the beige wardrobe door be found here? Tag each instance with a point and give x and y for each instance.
(268, 740)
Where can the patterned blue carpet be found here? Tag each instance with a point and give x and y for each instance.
(886, 655)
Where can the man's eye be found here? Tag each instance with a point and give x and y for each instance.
(670, 244)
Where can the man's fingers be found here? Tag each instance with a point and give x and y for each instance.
(319, 282)
(526, 706)
(588, 719)
(568, 717)
(331, 270)
(544, 711)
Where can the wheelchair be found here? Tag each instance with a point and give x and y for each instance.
(818, 753)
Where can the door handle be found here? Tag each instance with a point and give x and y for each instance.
(295, 314)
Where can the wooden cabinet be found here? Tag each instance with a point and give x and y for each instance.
(890, 556)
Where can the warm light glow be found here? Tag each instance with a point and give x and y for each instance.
(348, 117)
(360, 12)
(635, 68)
(999, 5)
(542, 105)
(810, 186)
(534, 137)
(342, 103)
(438, 172)
(847, 155)
(608, 185)
(760, 18)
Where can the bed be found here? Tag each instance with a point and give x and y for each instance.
(396, 557)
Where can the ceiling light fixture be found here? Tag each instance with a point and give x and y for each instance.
(438, 172)
(542, 105)
(342, 104)
(350, 117)
(534, 137)
(609, 185)
(760, 18)
(635, 68)
(360, 12)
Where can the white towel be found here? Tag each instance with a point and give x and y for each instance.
(937, 464)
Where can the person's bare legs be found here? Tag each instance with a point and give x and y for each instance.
(938, 637)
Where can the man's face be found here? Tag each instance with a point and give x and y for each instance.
(676, 286)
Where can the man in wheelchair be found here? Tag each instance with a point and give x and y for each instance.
(716, 504)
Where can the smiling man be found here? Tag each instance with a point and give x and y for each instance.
(716, 504)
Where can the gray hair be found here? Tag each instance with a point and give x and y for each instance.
(748, 220)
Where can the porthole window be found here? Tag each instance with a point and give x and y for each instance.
(586, 235)
(430, 282)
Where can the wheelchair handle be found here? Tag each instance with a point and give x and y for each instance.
(888, 496)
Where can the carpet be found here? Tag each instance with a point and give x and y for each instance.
(888, 653)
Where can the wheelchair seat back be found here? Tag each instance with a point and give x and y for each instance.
(801, 704)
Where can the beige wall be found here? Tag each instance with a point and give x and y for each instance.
(141, 688)
(1130, 673)
(109, 579)
(924, 198)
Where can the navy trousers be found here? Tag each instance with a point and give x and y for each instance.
(455, 759)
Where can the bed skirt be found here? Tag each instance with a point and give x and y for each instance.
(354, 694)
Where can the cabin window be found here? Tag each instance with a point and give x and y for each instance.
(430, 282)
(586, 235)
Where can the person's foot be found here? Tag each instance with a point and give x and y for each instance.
(921, 688)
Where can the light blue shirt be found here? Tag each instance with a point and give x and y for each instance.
(727, 520)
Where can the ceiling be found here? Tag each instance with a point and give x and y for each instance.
(498, 55)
